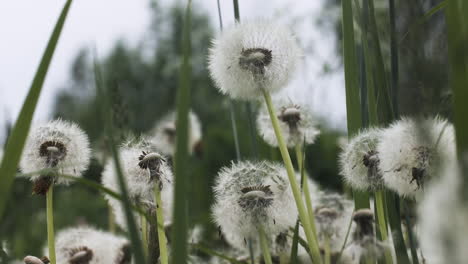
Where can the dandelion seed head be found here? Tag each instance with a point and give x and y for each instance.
(359, 161)
(143, 170)
(88, 245)
(333, 213)
(411, 151)
(163, 135)
(57, 144)
(248, 194)
(443, 218)
(251, 56)
(35, 260)
(296, 121)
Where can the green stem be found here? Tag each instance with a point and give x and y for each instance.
(161, 232)
(327, 255)
(264, 245)
(144, 233)
(305, 188)
(382, 222)
(111, 220)
(50, 224)
(303, 216)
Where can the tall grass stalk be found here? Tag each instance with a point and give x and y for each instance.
(136, 245)
(179, 227)
(50, 224)
(160, 222)
(457, 33)
(303, 215)
(300, 156)
(382, 222)
(17, 138)
(264, 245)
(327, 251)
(353, 105)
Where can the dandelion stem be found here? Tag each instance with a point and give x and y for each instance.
(327, 255)
(161, 234)
(303, 216)
(50, 224)
(264, 245)
(382, 223)
(305, 188)
(144, 233)
(111, 219)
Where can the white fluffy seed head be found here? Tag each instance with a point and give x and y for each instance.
(143, 170)
(57, 144)
(333, 213)
(163, 135)
(297, 123)
(412, 151)
(98, 247)
(251, 56)
(359, 161)
(443, 219)
(249, 194)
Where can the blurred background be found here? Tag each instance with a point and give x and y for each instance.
(137, 44)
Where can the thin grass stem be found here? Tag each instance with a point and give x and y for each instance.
(161, 233)
(303, 216)
(305, 188)
(327, 251)
(50, 224)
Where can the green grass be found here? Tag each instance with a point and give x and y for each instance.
(179, 226)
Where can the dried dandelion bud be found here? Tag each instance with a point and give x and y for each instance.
(412, 151)
(359, 161)
(297, 124)
(249, 194)
(143, 169)
(163, 135)
(79, 245)
(253, 56)
(57, 145)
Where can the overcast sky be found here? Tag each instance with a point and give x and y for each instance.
(25, 26)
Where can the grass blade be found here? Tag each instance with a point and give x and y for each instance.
(353, 105)
(136, 244)
(179, 233)
(15, 144)
(439, 7)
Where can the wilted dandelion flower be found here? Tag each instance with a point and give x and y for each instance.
(360, 160)
(411, 151)
(249, 194)
(163, 135)
(58, 145)
(143, 169)
(296, 121)
(253, 56)
(443, 219)
(88, 245)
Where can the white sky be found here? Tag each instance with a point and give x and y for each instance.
(25, 26)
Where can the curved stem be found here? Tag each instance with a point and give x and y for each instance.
(264, 245)
(305, 188)
(50, 224)
(382, 223)
(303, 216)
(161, 233)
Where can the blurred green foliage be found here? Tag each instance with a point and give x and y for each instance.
(142, 82)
